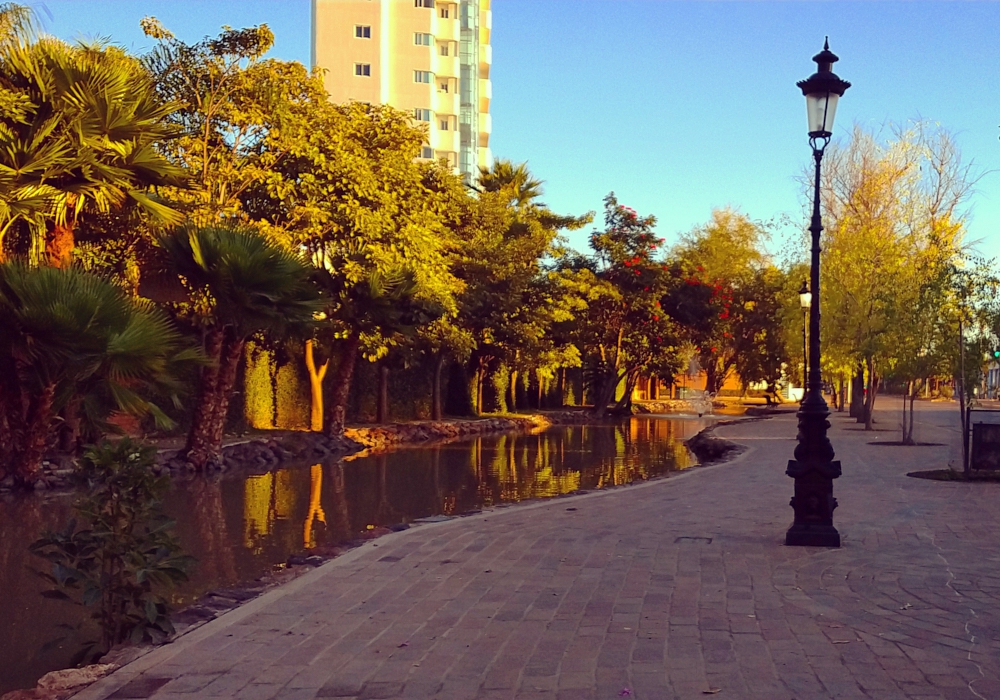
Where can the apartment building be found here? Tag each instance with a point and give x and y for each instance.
(429, 57)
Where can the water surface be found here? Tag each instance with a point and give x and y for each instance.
(241, 526)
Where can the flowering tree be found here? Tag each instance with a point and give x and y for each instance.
(723, 293)
(625, 330)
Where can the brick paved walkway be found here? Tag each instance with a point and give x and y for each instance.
(669, 589)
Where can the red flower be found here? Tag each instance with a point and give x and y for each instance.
(656, 318)
(713, 349)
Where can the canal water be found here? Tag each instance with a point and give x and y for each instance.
(242, 526)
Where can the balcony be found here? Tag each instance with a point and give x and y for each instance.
(445, 140)
(486, 19)
(485, 124)
(485, 89)
(448, 30)
(445, 66)
(447, 102)
(485, 158)
(485, 54)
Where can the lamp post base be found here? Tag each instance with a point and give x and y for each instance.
(813, 504)
(805, 535)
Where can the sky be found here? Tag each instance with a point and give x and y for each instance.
(677, 107)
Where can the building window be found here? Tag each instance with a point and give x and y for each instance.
(423, 3)
(426, 152)
(423, 115)
(444, 49)
(362, 31)
(443, 86)
(422, 76)
(444, 13)
(421, 39)
(444, 125)
(363, 69)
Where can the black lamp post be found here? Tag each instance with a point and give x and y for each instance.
(805, 301)
(814, 468)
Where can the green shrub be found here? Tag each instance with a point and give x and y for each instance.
(122, 554)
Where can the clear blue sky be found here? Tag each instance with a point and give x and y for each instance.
(679, 107)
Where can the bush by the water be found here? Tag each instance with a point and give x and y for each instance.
(118, 554)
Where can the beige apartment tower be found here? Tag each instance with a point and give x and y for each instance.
(429, 57)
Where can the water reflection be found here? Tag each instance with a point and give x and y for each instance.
(241, 526)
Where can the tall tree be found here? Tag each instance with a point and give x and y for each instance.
(68, 333)
(80, 135)
(894, 207)
(238, 284)
(722, 269)
(509, 302)
(625, 329)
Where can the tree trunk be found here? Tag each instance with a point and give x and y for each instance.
(480, 380)
(870, 395)
(227, 378)
(624, 404)
(382, 405)
(473, 385)
(605, 393)
(541, 389)
(843, 394)
(437, 404)
(69, 435)
(907, 440)
(858, 395)
(512, 407)
(199, 438)
(710, 376)
(316, 388)
(59, 244)
(342, 386)
(36, 436)
(6, 434)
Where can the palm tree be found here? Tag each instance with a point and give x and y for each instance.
(78, 132)
(239, 284)
(69, 333)
(18, 23)
(514, 179)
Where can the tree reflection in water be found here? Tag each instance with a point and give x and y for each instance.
(215, 555)
(240, 526)
(315, 506)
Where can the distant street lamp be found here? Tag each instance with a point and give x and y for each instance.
(805, 301)
(814, 468)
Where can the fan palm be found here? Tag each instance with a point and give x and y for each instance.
(69, 333)
(513, 179)
(240, 284)
(78, 132)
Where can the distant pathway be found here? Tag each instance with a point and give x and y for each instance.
(663, 590)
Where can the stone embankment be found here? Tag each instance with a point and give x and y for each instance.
(709, 448)
(381, 436)
(670, 406)
(266, 452)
